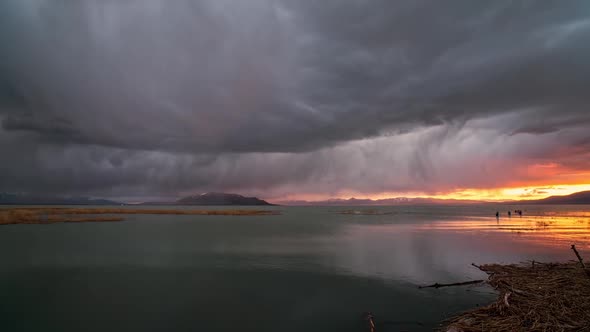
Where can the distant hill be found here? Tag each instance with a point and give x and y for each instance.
(379, 202)
(220, 199)
(582, 197)
(28, 199)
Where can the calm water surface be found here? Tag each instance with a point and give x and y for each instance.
(309, 269)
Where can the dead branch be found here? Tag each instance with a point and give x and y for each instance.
(506, 296)
(578, 255)
(580, 260)
(479, 267)
(437, 285)
(368, 316)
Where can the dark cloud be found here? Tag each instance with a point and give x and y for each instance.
(310, 96)
(430, 160)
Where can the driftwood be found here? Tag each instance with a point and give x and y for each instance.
(437, 285)
(478, 266)
(516, 290)
(549, 297)
(371, 326)
(506, 296)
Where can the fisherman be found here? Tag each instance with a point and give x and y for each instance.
(497, 215)
(509, 214)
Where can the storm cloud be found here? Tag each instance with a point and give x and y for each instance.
(159, 97)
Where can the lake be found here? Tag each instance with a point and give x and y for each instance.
(308, 269)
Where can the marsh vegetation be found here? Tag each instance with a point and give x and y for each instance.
(50, 215)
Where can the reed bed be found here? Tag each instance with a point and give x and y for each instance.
(532, 297)
(49, 215)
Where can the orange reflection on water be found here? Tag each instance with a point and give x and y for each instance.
(549, 230)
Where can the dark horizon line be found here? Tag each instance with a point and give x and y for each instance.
(582, 197)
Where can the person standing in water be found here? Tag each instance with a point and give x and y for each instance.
(497, 215)
(509, 214)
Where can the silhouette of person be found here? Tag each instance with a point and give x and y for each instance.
(509, 214)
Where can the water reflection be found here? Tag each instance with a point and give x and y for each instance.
(550, 230)
(310, 269)
(408, 247)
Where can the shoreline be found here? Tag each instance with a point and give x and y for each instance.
(532, 297)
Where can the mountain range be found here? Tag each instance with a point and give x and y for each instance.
(31, 199)
(582, 197)
(381, 202)
(576, 198)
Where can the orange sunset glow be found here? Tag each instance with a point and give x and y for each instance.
(519, 193)
(486, 195)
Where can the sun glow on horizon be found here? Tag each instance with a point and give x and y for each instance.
(489, 195)
(518, 193)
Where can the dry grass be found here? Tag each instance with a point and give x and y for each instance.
(22, 216)
(533, 297)
(55, 214)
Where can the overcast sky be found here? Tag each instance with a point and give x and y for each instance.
(285, 98)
